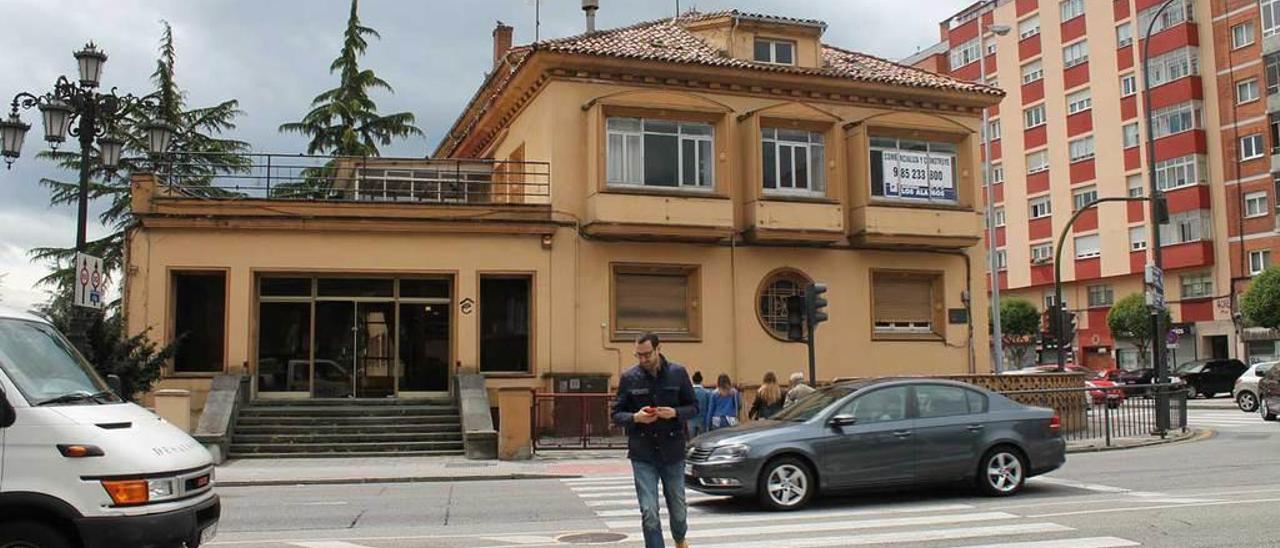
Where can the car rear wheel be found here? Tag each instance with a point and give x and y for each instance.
(31, 534)
(1247, 401)
(1266, 412)
(786, 483)
(1002, 472)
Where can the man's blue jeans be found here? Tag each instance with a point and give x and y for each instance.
(647, 475)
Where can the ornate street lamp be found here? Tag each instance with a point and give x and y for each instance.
(159, 135)
(12, 133)
(91, 61)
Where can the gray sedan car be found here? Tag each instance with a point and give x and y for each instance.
(875, 434)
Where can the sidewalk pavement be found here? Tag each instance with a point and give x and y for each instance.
(548, 465)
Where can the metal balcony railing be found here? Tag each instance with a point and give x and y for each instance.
(356, 179)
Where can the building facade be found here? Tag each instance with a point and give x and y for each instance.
(681, 176)
(1071, 129)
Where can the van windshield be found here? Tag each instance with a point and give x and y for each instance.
(45, 368)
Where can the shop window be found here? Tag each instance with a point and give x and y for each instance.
(199, 321)
(661, 299)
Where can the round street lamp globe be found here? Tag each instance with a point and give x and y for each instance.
(90, 60)
(12, 132)
(57, 118)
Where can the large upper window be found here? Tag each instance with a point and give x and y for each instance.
(1176, 64)
(793, 161)
(1070, 9)
(1196, 286)
(1272, 70)
(1037, 161)
(904, 169)
(905, 302)
(1088, 247)
(1083, 196)
(1251, 147)
(1080, 149)
(965, 53)
(1032, 71)
(1175, 14)
(1179, 172)
(1270, 17)
(1189, 226)
(1101, 295)
(1242, 35)
(1075, 54)
(778, 52)
(1259, 259)
(1129, 134)
(1033, 116)
(659, 153)
(1128, 85)
(1040, 207)
(1041, 253)
(1176, 119)
(1255, 204)
(1079, 101)
(1137, 238)
(1124, 35)
(1029, 27)
(661, 299)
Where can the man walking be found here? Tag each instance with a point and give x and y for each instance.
(798, 390)
(655, 398)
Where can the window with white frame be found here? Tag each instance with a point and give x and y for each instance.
(1029, 27)
(1255, 204)
(1175, 14)
(1002, 259)
(780, 52)
(1041, 253)
(659, 153)
(1100, 296)
(1124, 35)
(1259, 260)
(1177, 64)
(1049, 300)
(1037, 161)
(793, 161)
(991, 47)
(997, 174)
(1188, 226)
(1242, 35)
(1083, 196)
(1071, 9)
(1179, 172)
(1137, 188)
(1128, 85)
(1251, 147)
(1176, 119)
(1270, 17)
(910, 170)
(1080, 149)
(965, 53)
(1033, 116)
(1032, 71)
(1040, 207)
(1075, 54)
(1088, 247)
(1079, 101)
(993, 129)
(1197, 286)
(1130, 135)
(1247, 91)
(999, 216)
(1137, 238)
(1271, 68)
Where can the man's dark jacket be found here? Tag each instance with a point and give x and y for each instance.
(662, 441)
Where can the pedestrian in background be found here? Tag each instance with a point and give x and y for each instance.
(725, 405)
(655, 398)
(769, 398)
(698, 424)
(799, 389)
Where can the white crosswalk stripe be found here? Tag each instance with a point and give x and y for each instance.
(1227, 419)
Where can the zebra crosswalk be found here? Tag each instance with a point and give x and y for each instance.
(720, 522)
(1229, 420)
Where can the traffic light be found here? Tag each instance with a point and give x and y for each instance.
(1069, 333)
(814, 304)
(795, 318)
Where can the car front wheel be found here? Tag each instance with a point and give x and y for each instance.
(1247, 401)
(31, 534)
(1266, 412)
(786, 484)
(1002, 472)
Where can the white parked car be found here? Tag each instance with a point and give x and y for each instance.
(83, 468)
(1245, 390)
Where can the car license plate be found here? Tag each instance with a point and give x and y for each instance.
(208, 533)
(688, 469)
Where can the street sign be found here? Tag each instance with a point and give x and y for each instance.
(1171, 340)
(1155, 277)
(1156, 299)
(91, 282)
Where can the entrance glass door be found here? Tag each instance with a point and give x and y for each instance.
(355, 349)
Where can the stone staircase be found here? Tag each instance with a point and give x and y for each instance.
(347, 428)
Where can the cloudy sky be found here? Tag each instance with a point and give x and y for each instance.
(274, 56)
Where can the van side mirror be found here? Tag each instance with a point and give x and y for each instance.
(113, 382)
(841, 421)
(7, 414)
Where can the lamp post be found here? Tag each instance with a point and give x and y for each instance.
(79, 109)
(997, 333)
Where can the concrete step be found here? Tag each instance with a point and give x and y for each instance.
(349, 448)
(329, 428)
(347, 411)
(321, 455)
(371, 402)
(357, 420)
(385, 438)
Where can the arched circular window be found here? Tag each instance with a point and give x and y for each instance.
(771, 299)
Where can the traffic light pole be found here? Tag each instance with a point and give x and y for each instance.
(813, 359)
(815, 312)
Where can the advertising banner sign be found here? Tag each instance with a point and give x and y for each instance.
(916, 175)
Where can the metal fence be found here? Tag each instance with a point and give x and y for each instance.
(1110, 413)
(355, 179)
(575, 421)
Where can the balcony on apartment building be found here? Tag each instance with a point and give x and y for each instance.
(284, 190)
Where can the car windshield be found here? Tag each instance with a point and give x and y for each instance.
(809, 406)
(45, 368)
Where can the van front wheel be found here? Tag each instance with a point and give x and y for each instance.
(30, 534)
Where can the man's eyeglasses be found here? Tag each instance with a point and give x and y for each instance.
(645, 355)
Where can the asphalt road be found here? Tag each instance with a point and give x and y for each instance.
(1223, 491)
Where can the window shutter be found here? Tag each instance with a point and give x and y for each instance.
(653, 302)
(900, 298)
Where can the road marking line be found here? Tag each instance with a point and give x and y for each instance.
(627, 512)
(1156, 507)
(1089, 542)
(706, 519)
(328, 544)
(790, 528)
(903, 536)
(596, 479)
(597, 488)
(1080, 485)
(317, 503)
(523, 539)
(633, 502)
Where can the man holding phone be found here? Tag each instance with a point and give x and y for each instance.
(655, 398)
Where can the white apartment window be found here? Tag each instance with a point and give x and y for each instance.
(1079, 101)
(1179, 63)
(1189, 226)
(997, 174)
(1242, 35)
(782, 52)
(659, 153)
(1137, 188)
(1255, 204)
(1040, 207)
(1128, 85)
(1081, 149)
(1196, 286)
(1258, 261)
(1251, 146)
(1083, 196)
(993, 130)
(1270, 17)
(1137, 238)
(793, 161)
(999, 215)
(1032, 71)
(1002, 259)
(1130, 135)
(1033, 116)
(1041, 253)
(1037, 161)
(1029, 27)
(1247, 91)
(965, 53)
(1176, 119)
(1124, 35)
(1075, 54)
(991, 47)
(1173, 15)
(1179, 172)
(1070, 9)
(1088, 247)
(1101, 295)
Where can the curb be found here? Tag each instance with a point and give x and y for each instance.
(402, 479)
(1191, 436)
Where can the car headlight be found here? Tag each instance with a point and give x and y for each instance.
(734, 452)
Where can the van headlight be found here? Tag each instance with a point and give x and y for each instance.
(140, 491)
(724, 454)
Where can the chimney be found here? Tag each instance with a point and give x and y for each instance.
(501, 42)
(590, 7)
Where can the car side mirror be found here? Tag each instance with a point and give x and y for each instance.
(113, 382)
(7, 414)
(841, 421)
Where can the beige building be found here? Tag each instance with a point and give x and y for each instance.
(682, 176)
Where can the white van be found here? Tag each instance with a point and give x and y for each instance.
(79, 466)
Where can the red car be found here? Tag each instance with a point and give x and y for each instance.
(1107, 392)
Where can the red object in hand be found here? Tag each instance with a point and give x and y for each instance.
(650, 410)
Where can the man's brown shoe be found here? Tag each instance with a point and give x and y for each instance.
(682, 544)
